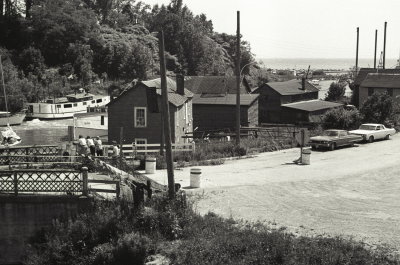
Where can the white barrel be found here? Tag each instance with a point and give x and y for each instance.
(150, 165)
(305, 156)
(195, 174)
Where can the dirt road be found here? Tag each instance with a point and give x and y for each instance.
(350, 191)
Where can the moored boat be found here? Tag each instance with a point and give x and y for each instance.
(11, 118)
(65, 107)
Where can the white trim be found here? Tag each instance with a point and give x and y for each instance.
(145, 117)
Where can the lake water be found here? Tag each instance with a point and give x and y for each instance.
(322, 63)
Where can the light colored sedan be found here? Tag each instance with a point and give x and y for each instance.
(373, 131)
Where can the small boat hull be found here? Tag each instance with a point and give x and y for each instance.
(13, 119)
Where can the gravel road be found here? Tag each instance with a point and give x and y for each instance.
(350, 191)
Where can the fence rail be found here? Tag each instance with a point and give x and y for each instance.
(133, 149)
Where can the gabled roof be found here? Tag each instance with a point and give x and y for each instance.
(363, 72)
(312, 105)
(291, 87)
(173, 97)
(381, 81)
(215, 85)
(229, 99)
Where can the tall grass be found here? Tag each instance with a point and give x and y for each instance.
(116, 233)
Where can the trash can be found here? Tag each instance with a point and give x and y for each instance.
(150, 165)
(305, 156)
(195, 174)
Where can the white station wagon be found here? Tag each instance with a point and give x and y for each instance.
(372, 131)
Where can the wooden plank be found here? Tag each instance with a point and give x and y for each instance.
(103, 190)
(100, 181)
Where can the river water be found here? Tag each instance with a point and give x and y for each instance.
(43, 132)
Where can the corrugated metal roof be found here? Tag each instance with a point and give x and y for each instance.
(363, 72)
(214, 85)
(381, 81)
(312, 105)
(291, 87)
(229, 99)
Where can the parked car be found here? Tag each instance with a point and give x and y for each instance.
(334, 138)
(373, 131)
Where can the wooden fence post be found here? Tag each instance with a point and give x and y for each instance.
(149, 190)
(15, 183)
(85, 191)
(118, 189)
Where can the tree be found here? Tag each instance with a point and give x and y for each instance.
(30, 60)
(378, 108)
(336, 91)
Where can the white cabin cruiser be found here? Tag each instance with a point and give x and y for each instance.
(65, 107)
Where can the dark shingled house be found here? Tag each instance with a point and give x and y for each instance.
(273, 95)
(214, 103)
(381, 83)
(137, 110)
(361, 75)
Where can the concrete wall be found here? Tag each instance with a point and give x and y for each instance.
(22, 216)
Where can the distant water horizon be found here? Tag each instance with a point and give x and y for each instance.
(322, 63)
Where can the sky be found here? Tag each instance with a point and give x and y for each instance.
(306, 28)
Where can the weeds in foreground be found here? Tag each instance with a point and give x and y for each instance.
(116, 233)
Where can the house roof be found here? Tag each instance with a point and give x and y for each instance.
(291, 87)
(312, 105)
(215, 85)
(229, 99)
(363, 72)
(173, 96)
(381, 80)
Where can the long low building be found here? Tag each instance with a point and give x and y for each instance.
(211, 112)
(310, 111)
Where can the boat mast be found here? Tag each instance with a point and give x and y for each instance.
(4, 90)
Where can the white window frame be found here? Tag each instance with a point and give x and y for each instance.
(140, 139)
(186, 113)
(145, 117)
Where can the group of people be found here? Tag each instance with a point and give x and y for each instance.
(92, 146)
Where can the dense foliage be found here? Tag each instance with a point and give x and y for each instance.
(341, 118)
(49, 47)
(116, 233)
(378, 108)
(336, 91)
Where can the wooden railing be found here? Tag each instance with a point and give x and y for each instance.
(52, 181)
(133, 149)
(30, 150)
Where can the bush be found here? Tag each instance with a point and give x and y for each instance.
(341, 118)
(336, 91)
(378, 108)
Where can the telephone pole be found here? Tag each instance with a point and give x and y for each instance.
(238, 79)
(166, 120)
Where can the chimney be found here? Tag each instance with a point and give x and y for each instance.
(180, 84)
(303, 83)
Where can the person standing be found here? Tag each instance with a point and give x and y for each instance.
(82, 145)
(115, 153)
(98, 146)
(91, 145)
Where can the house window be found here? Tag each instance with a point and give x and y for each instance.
(102, 120)
(140, 141)
(370, 91)
(140, 117)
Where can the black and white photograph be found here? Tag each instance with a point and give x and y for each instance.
(188, 132)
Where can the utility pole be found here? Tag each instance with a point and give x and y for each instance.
(238, 80)
(384, 45)
(162, 142)
(376, 40)
(358, 33)
(166, 120)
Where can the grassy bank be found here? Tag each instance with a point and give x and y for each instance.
(212, 153)
(116, 233)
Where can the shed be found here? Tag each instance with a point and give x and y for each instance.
(310, 111)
